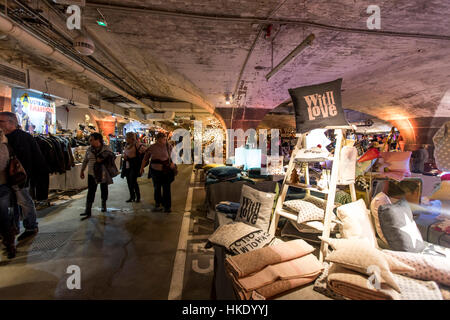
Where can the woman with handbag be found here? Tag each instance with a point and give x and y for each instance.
(132, 156)
(8, 230)
(99, 160)
(162, 171)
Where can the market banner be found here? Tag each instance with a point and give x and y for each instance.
(34, 113)
(318, 106)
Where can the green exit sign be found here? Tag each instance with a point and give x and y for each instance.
(102, 23)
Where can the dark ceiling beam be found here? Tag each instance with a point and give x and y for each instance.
(259, 20)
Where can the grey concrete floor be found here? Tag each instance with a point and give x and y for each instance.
(126, 253)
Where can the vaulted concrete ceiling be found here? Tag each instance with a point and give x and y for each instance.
(383, 76)
(198, 59)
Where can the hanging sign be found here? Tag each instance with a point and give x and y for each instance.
(34, 113)
(318, 106)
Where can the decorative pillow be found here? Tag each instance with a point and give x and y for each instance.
(342, 197)
(256, 207)
(399, 228)
(318, 202)
(361, 256)
(224, 171)
(306, 210)
(356, 222)
(398, 161)
(443, 192)
(240, 237)
(377, 201)
(252, 241)
(395, 265)
(427, 267)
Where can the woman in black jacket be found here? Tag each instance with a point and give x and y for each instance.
(7, 228)
(132, 156)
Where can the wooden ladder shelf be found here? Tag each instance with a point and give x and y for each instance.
(330, 194)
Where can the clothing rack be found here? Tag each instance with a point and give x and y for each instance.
(330, 194)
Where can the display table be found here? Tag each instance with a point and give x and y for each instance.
(223, 286)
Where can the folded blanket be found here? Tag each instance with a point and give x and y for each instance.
(320, 285)
(247, 263)
(270, 290)
(305, 266)
(356, 286)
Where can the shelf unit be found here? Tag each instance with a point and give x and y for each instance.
(329, 194)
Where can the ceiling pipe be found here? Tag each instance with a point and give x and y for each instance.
(259, 20)
(40, 47)
(307, 42)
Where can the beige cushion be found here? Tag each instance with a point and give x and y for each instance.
(306, 211)
(443, 193)
(235, 236)
(356, 222)
(377, 201)
(395, 265)
(360, 256)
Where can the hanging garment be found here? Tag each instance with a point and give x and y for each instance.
(441, 142)
(347, 165)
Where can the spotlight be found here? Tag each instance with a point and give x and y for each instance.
(227, 99)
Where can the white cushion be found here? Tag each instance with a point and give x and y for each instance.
(356, 222)
(256, 208)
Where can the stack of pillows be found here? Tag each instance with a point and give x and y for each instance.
(310, 213)
(396, 163)
(357, 256)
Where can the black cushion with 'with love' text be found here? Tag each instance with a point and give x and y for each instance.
(318, 106)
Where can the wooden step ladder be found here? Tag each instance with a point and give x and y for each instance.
(329, 194)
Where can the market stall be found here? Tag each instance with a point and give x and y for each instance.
(360, 238)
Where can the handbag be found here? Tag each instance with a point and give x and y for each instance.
(174, 168)
(441, 142)
(17, 175)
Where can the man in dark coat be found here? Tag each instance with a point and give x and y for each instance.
(31, 158)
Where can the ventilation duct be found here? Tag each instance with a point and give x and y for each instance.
(160, 116)
(13, 76)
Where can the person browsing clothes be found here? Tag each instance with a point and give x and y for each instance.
(30, 156)
(7, 228)
(132, 156)
(161, 171)
(99, 160)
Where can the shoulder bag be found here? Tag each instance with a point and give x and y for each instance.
(17, 175)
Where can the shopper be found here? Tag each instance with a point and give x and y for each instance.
(133, 156)
(162, 170)
(99, 160)
(27, 151)
(7, 228)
